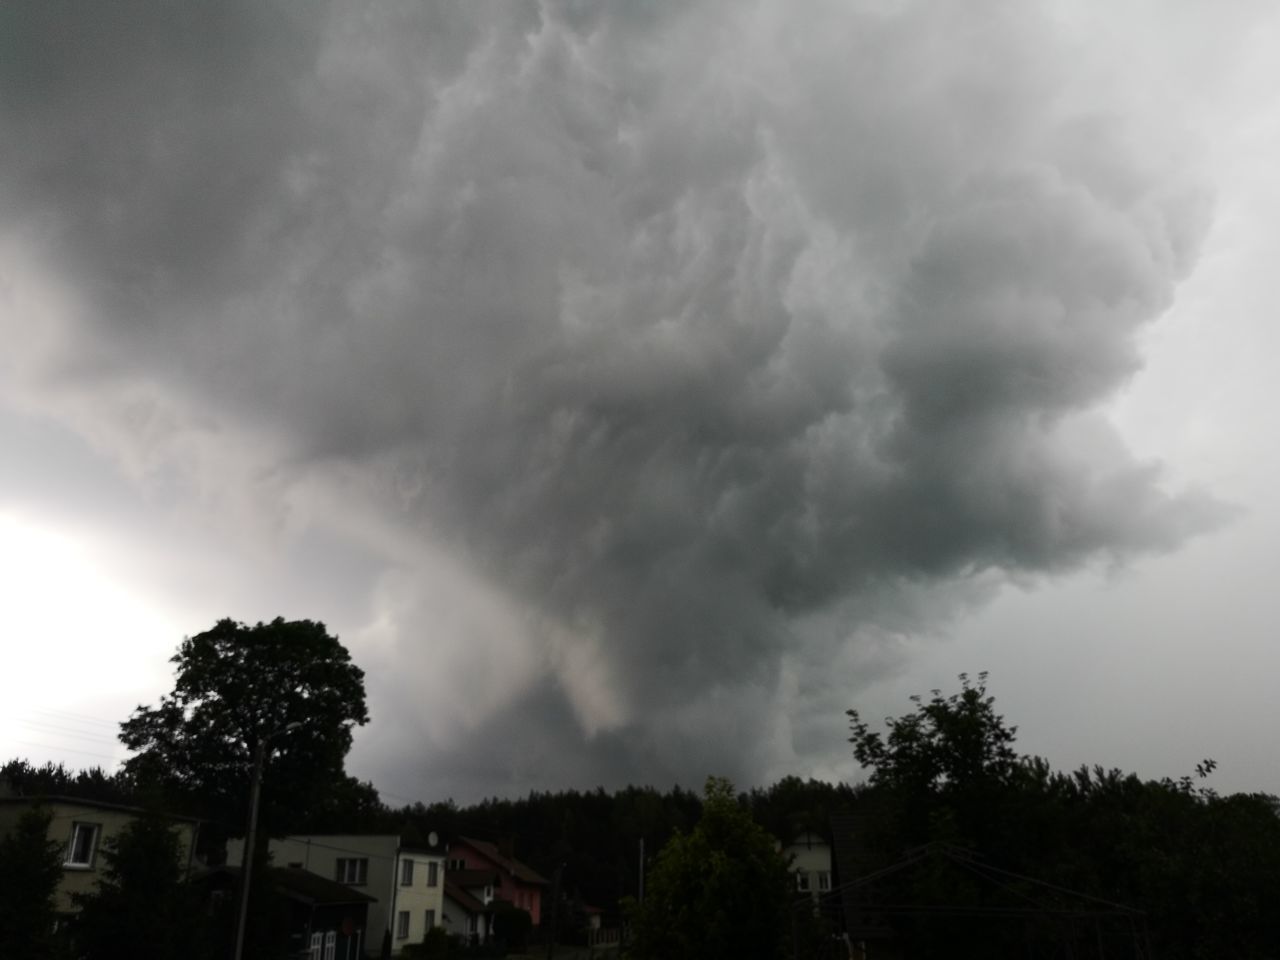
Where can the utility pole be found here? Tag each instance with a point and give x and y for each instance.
(246, 866)
(640, 898)
(555, 912)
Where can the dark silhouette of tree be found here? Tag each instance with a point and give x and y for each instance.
(793, 806)
(1201, 867)
(722, 890)
(53, 779)
(30, 868)
(235, 685)
(142, 909)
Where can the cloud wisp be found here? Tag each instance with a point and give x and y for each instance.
(672, 357)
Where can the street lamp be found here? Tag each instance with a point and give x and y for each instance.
(246, 867)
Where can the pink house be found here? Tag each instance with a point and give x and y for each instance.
(515, 882)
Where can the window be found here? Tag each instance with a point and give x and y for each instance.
(433, 874)
(402, 925)
(457, 865)
(488, 893)
(824, 880)
(330, 945)
(802, 882)
(317, 941)
(406, 873)
(352, 871)
(429, 920)
(84, 840)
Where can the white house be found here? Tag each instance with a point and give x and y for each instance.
(810, 857)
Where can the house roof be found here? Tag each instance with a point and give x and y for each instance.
(49, 798)
(462, 898)
(393, 838)
(511, 865)
(475, 878)
(301, 885)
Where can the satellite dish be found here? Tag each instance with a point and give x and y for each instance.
(432, 839)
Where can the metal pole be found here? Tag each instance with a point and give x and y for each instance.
(555, 912)
(246, 868)
(641, 890)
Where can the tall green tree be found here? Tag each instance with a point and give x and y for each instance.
(236, 685)
(30, 869)
(1201, 868)
(721, 890)
(142, 909)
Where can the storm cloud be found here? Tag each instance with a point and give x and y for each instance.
(666, 360)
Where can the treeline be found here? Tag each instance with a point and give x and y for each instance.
(1115, 865)
(1184, 871)
(592, 837)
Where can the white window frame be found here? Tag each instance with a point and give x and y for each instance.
(457, 863)
(433, 874)
(428, 921)
(802, 882)
(406, 872)
(317, 944)
(352, 871)
(330, 945)
(77, 828)
(402, 925)
(824, 880)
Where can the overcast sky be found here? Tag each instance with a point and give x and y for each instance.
(634, 387)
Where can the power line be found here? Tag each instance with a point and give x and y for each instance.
(77, 717)
(63, 731)
(58, 749)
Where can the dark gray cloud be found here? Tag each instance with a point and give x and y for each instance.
(697, 350)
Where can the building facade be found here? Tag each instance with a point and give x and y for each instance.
(810, 857)
(405, 882)
(513, 881)
(82, 828)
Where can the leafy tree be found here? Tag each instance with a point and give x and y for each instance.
(56, 779)
(1202, 868)
(30, 868)
(793, 806)
(142, 909)
(512, 926)
(945, 767)
(948, 742)
(720, 891)
(236, 685)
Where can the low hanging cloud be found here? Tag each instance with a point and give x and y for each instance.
(671, 359)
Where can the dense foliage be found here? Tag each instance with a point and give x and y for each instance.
(30, 868)
(1199, 871)
(235, 686)
(56, 780)
(141, 909)
(722, 890)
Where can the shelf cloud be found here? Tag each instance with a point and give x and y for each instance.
(667, 360)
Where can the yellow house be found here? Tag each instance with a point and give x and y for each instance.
(81, 828)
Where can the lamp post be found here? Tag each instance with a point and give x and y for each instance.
(246, 867)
